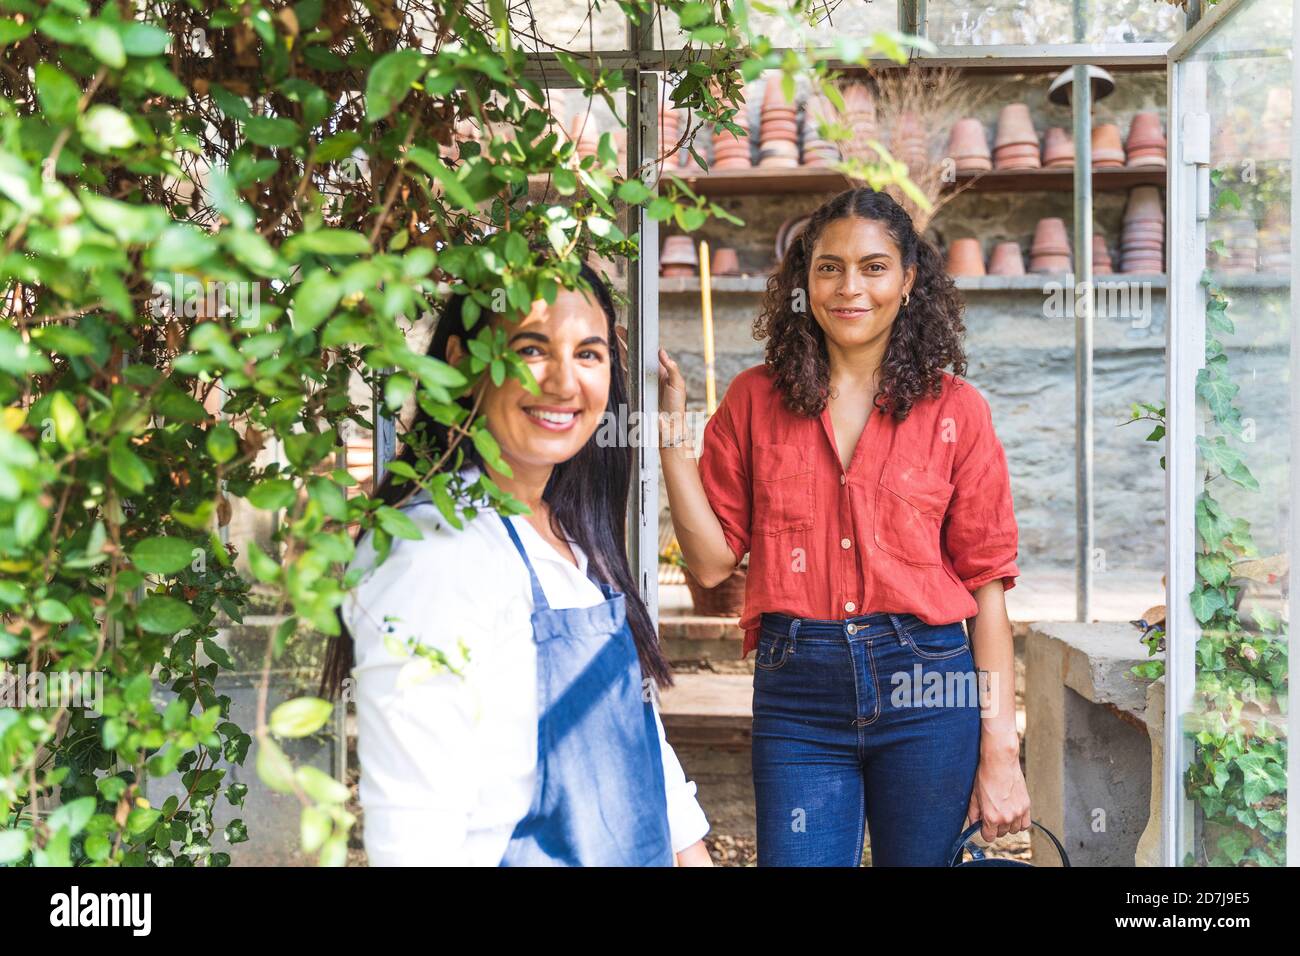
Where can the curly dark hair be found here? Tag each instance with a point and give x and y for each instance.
(926, 336)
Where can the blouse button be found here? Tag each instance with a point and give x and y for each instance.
(843, 479)
(850, 606)
(845, 543)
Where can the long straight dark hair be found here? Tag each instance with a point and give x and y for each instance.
(587, 496)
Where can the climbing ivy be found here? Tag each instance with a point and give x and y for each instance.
(1238, 718)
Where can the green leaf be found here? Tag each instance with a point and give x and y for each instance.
(72, 816)
(398, 524)
(264, 568)
(272, 494)
(633, 192)
(53, 612)
(329, 242)
(13, 845)
(300, 717)
(223, 443)
(320, 786)
(69, 429)
(431, 164)
(390, 80)
(57, 92)
(160, 614)
(104, 42)
(272, 131)
(315, 827)
(105, 128)
(159, 555)
(144, 39)
(126, 466)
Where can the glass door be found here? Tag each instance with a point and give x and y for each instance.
(1233, 420)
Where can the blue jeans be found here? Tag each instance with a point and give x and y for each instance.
(872, 721)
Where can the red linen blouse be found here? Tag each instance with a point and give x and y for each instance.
(922, 517)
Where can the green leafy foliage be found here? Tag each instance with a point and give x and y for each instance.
(214, 217)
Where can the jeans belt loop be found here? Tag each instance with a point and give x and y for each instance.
(794, 629)
(899, 629)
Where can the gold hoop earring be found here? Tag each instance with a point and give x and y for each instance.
(906, 298)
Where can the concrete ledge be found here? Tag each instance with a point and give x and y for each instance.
(1092, 748)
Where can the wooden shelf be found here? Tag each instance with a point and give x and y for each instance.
(760, 181)
(756, 285)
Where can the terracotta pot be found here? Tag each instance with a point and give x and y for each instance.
(1017, 156)
(1049, 263)
(787, 232)
(725, 262)
(1050, 238)
(679, 250)
(1058, 148)
(1144, 204)
(1107, 147)
(967, 139)
(725, 600)
(859, 103)
(773, 95)
(1006, 260)
(965, 258)
(677, 272)
(1145, 131)
(1101, 264)
(1015, 126)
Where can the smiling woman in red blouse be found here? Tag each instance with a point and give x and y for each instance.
(871, 493)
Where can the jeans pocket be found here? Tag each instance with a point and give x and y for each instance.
(773, 651)
(934, 642)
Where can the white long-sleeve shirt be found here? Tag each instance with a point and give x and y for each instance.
(449, 762)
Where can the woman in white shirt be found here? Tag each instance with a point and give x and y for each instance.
(532, 738)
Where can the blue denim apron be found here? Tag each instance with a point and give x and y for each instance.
(599, 797)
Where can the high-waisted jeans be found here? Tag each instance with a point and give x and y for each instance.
(869, 722)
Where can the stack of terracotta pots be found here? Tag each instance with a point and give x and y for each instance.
(1146, 141)
(731, 151)
(1058, 149)
(620, 145)
(907, 140)
(725, 262)
(1226, 142)
(1142, 244)
(859, 111)
(1234, 243)
(1107, 147)
(788, 232)
(669, 127)
(1273, 134)
(778, 132)
(1275, 239)
(678, 257)
(1016, 145)
(583, 131)
(1051, 249)
(968, 146)
(817, 151)
(965, 258)
(1101, 264)
(1006, 260)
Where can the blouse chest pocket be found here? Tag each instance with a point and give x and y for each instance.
(910, 506)
(783, 489)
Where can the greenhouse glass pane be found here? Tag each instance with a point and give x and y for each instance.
(1011, 22)
(1236, 714)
